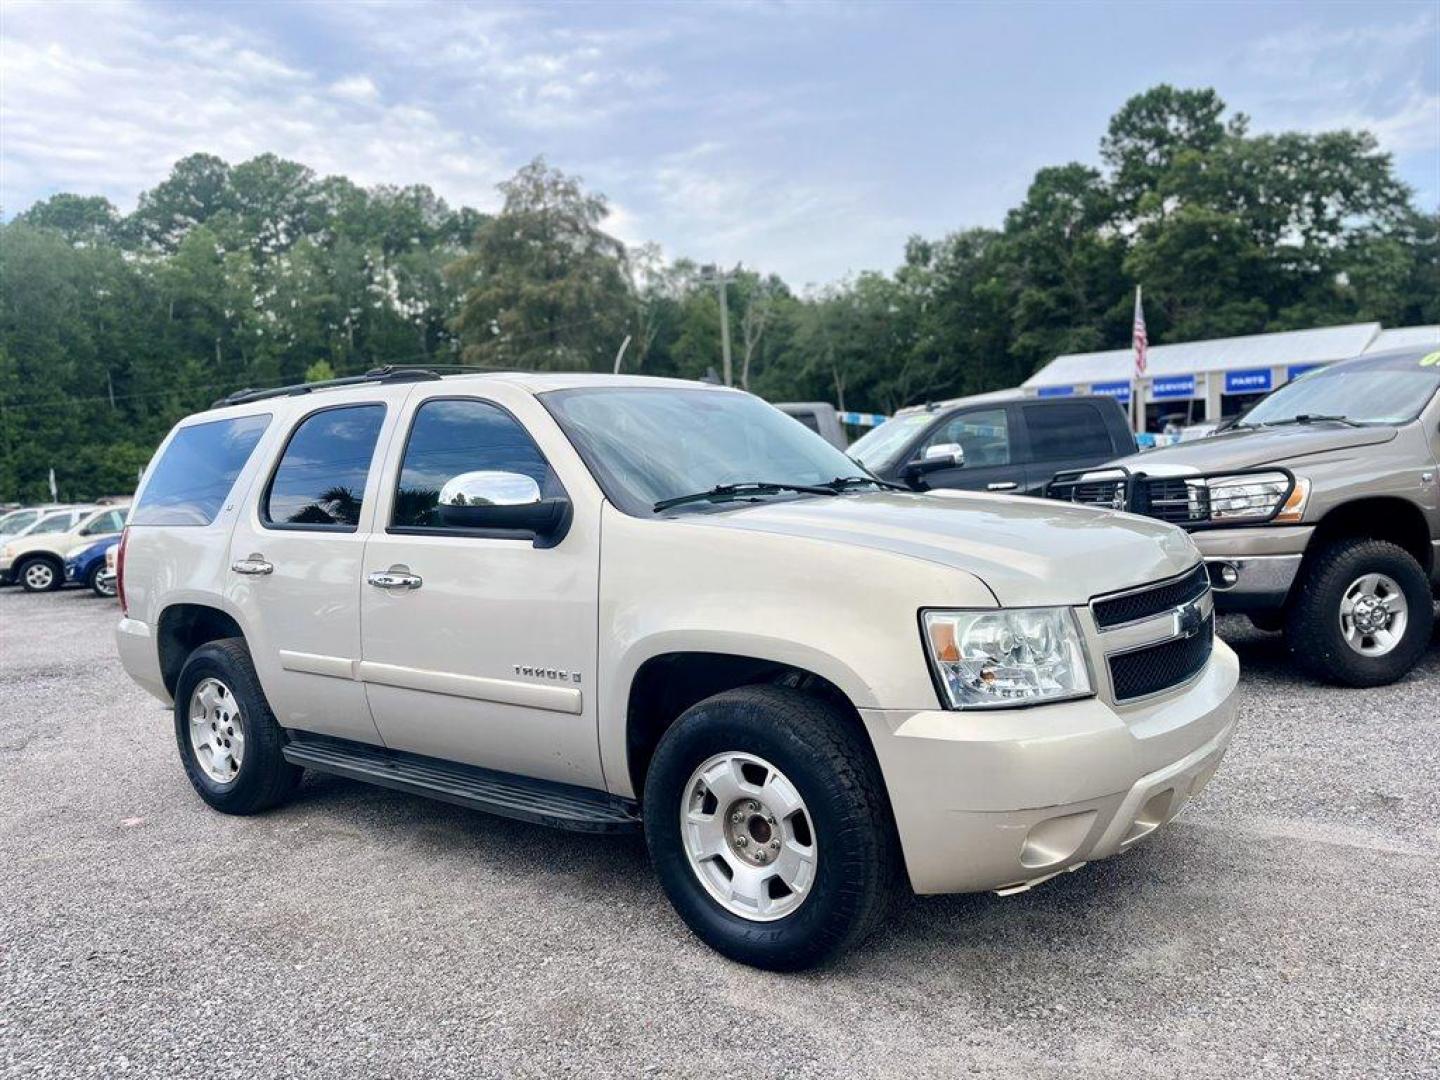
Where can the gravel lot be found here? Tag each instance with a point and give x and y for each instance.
(1288, 924)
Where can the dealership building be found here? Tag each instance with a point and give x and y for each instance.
(1211, 380)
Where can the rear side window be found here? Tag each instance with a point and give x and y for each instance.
(320, 481)
(1067, 430)
(191, 481)
(451, 436)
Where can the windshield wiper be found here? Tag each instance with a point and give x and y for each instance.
(845, 483)
(722, 492)
(1312, 418)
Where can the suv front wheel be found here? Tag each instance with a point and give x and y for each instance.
(229, 740)
(769, 828)
(1362, 614)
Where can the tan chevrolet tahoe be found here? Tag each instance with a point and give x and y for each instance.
(620, 604)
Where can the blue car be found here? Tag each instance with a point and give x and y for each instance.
(87, 567)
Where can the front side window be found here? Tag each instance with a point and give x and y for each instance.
(452, 436)
(1071, 429)
(112, 521)
(191, 481)
(320, 481)
(983, 434)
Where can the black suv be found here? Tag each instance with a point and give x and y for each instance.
(1003, 441)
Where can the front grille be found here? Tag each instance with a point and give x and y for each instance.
(1150, 670)
(1144, 603)
(1109, 493)
(1175, 500)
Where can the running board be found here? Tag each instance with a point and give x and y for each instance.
(542, 802)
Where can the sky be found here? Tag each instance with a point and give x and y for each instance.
(806, 139)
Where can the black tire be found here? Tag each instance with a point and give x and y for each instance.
(265, 779)
(93, 581)
(1269, 622)
(55, 579)
(1312, 624)
(828, 759)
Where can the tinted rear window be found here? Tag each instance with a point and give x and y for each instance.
(1073, 429)
(321, 477)
(191, 481)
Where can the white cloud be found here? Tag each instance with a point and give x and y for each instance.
(355, 88)
(108, 103)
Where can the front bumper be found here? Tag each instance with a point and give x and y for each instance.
(1002, 800)
(1253, 569)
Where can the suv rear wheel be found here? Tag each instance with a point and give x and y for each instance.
(39, 574)
(1362, 613)
(768, 825)
(229, 740)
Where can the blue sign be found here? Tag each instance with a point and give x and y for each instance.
(1294, 371)
(1056, 391)
(1173, 386)
(1251, 381)
(1120, 391)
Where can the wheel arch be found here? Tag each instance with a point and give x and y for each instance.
(182, 628)
(1377, 517)
(666, 684)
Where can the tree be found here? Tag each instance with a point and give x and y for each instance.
(545, 286)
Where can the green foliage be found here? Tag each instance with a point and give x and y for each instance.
(112, 327)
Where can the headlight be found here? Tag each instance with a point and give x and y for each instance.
(7, 552)
(1256, 496)
(1002, 657)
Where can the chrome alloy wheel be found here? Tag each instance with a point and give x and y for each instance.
(39, 576)
(216, 734)
(748, 836)
(1373, 614)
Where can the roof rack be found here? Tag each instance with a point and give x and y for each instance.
(390, 373)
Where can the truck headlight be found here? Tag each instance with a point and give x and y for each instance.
(1003, 657)
(1256, 497)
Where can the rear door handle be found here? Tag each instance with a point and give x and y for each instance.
(1002, 485)
(397, 577)
(254, 563)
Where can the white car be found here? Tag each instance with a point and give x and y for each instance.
(621, 604)
(36, 558)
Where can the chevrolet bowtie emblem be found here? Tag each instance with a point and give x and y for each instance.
(1188, 621)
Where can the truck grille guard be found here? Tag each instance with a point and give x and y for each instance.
(1180, 500)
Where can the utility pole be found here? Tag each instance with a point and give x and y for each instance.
(722, 279)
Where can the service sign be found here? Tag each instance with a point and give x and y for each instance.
(1056, 391)
(1250, 381)
(1173, 386)
(1294, 371)
(1120, 391)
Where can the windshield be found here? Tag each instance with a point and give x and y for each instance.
(877, 449)
(649, 444)
(17, 520)
(1363, 392)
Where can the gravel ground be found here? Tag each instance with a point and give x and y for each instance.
(1287, 925)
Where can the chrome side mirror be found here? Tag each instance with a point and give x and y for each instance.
(945, 455)
(489, 488)
(503, 505)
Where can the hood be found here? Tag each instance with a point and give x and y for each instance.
(1028, 551)
(1247, 449)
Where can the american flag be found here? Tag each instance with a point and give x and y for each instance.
(1139, 339)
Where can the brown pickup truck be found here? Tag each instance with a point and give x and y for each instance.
(1317, 512)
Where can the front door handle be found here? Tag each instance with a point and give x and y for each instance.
(397, 577)
(1002, 485)
(254, 563)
